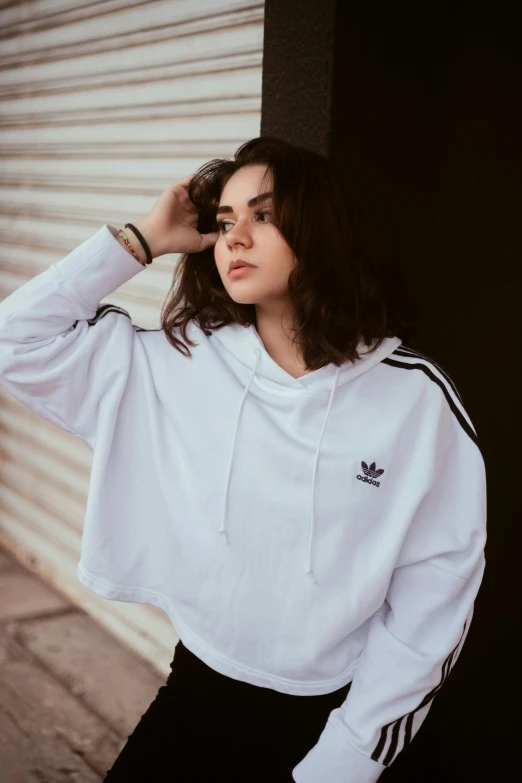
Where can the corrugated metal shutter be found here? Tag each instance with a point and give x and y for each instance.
(103, 106)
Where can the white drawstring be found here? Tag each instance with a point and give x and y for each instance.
(309, 570)
(243, 398)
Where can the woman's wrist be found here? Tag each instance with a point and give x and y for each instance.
(148, 235)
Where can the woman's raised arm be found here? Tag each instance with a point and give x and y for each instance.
(64, 355)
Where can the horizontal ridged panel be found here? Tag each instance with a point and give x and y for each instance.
(103, 105)
(46, 467)
(62, 446)
(205, 57)
(159, 26)
(31, 475)
(35, 516)
(200, 128)
(172, 98)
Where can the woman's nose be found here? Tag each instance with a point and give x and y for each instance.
(239, 233)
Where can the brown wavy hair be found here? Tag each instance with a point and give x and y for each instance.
(340, 289)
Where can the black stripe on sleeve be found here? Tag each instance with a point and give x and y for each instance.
(110, 308)
(394, 749)
(451, 402)
(107, 308)
(103, 310)
(404, 351)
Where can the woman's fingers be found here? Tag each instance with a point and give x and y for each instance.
(185, 181)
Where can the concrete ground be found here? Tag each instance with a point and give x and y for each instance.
(70, 694)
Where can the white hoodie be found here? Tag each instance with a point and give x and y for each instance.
(300, 533)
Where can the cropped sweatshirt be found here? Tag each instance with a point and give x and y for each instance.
(300, 533)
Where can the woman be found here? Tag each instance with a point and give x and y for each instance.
(302, 494)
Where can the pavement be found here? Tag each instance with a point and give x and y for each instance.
(70, 693)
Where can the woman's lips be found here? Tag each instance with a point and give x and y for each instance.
(240, 271)
(237, 262)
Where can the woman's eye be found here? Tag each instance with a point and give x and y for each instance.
(221, 224)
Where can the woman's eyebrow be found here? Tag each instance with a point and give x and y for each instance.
(251, 203)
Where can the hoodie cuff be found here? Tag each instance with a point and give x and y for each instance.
(97, 267)
(334, 760)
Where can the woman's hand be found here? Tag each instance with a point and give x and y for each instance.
(171, 225)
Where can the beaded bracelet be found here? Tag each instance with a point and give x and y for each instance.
(123, 235)
(144, 245)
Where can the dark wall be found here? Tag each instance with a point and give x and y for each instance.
(298, 69)
(424, 122)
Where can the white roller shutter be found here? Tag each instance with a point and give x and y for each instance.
(104, 104)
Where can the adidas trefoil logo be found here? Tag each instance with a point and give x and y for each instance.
(370, 473)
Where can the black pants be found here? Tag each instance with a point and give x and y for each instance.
(203, 726)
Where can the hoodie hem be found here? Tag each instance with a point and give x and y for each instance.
(203, 651)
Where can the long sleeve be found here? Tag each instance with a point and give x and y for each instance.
(62, 355)
(416, 637)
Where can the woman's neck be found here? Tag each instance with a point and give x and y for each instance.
(276, 335)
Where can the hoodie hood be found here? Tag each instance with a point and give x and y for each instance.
(245, 344)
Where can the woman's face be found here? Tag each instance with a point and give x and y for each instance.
(246, 232)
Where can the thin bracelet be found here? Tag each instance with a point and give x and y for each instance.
(140, 237)
(123, 235)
